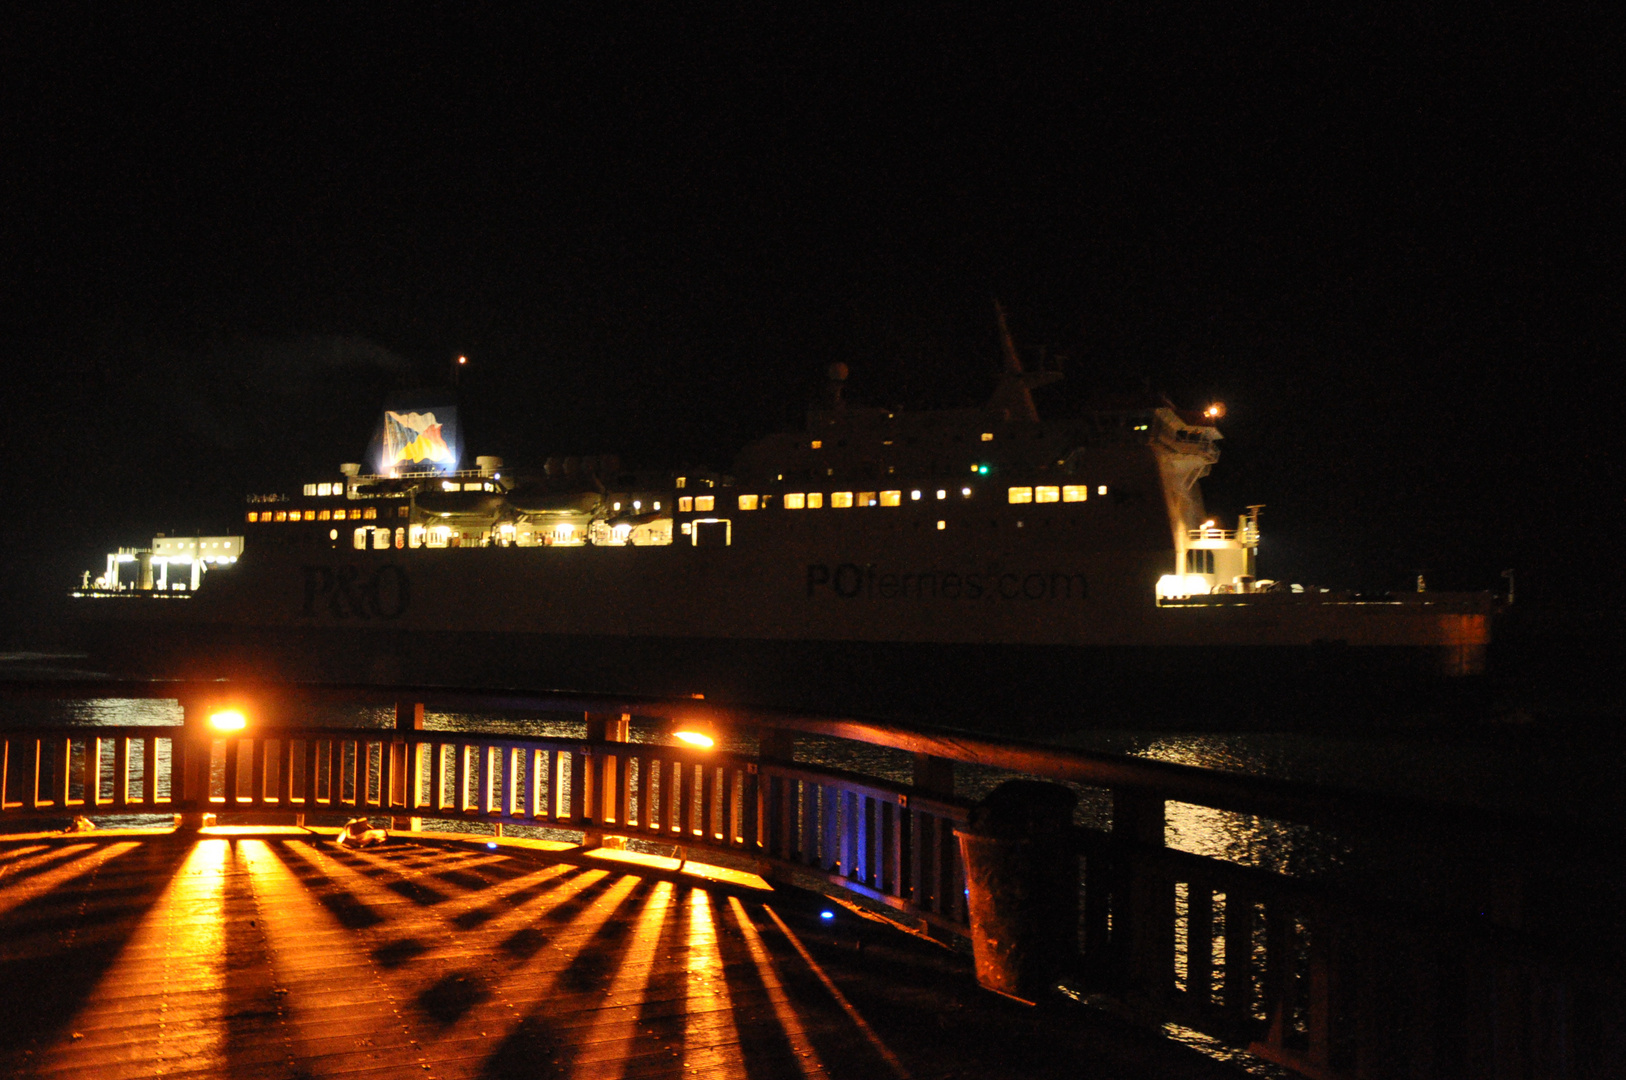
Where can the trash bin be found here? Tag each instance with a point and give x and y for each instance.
(1021, 874)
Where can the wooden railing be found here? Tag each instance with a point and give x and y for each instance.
(1478, 956)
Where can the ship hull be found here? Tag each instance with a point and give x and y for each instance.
(1043, 647)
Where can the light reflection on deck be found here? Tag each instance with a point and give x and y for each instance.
(272, 952)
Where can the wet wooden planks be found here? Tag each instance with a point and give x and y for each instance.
(281, 955)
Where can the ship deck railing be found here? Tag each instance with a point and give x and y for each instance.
(1432, 931)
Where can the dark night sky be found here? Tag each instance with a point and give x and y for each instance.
(1390, 244)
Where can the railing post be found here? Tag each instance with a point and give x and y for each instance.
(406, 785)
(597, 775)
(189, 784)
(1142, 901)
(933, 853)
(773, 745)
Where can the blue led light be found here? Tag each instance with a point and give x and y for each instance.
(827, 914)
(492, 844)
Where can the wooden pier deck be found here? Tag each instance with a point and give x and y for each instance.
(273, 953)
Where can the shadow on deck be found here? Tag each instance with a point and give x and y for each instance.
(278, 954)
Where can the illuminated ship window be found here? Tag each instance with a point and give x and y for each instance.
(942, 524)
(891, 498)
(381, 539)
(310, 489)
(942, 494)
(400, 537)
(372, 512)
(282, 515)
(447, 485)
(795, 500)
(685, 528)
(324, 489)
(841, 499)
(685, 503)
(866, 498)
(915, 495)
(1074, 492)
(748, 502)
(1102, 490)
(988, 436)
(704, 503)
(1200, 561)
(637, 504)
(818, 444)
(617, 506)
(252, 516)
(656, 505)
(415, 536)
(402, 511)
(360, 539)
(323, 515)
(339, 515)
(815, 499)
(1047, 494)
(1021, 494)
(681, 481)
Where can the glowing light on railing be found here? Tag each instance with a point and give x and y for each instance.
(228, 720)
(695, 738)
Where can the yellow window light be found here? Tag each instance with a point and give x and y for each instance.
(685, 504)
(1047, 494)
(1074, 492)
(748, 502)
(841, 499)
(815, 500)
(795, 500)
(866, 498)
(891, 498)
(988, 436)
(705, 503)
(228, 720)
(1021, 494)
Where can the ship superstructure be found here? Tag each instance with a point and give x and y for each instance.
(872, 533)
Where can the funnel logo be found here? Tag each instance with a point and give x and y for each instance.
(415, 437)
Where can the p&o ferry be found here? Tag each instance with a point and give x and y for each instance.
(975, 563)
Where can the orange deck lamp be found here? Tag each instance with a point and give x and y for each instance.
(228, 720)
